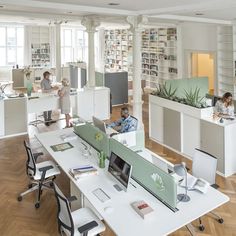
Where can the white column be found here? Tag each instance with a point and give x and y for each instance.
(90, 24)
(58, 51)
(135, 26)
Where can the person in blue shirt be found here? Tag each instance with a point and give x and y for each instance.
(127, 122)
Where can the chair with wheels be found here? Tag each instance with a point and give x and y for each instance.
(204, 166)
(81, 222)
(41, 174)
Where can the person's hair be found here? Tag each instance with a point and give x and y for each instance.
(65, 82)
(226, 96)
(125, 110)
(46, 73)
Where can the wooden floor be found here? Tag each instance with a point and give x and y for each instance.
(22, 219)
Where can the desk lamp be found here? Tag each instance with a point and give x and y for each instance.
(180, 169)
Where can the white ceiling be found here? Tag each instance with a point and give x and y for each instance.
(43, 10)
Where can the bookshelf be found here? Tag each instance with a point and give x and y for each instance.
(225, 60)
(40, 47)
(159, 55)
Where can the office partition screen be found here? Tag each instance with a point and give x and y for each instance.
(152, 178)
(95, 137)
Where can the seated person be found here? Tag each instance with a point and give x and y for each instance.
(127, 123)
(225, 106)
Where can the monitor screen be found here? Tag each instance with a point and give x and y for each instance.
(119, 169)
(99, 124)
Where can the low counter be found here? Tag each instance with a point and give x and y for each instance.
(183, 128)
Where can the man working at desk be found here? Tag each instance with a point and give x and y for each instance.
(47, 88)
(127, 122)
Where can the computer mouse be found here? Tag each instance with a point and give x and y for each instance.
(108, 209)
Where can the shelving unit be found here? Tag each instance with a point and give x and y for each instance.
(159, 55)
(118, 51)
(225, 58)
(40, 47)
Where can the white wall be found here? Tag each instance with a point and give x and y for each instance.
(197, 37)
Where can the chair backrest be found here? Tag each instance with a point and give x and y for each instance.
(204, 166)
(30, 164)
(64, 213)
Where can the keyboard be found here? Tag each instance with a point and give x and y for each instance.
(101, 195)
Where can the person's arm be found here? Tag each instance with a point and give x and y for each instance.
(231, 110)
(61, 92)
(132, 125)
(115, 123)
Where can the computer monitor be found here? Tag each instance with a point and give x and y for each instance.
(99, 124)
(121, 171)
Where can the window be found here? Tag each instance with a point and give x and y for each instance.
(74, 45)
(11, 46)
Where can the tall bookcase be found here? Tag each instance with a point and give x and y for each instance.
(159, 55)
(118, 50)
(226, 56)
(40, 47)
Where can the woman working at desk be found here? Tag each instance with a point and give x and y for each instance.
(225, 106)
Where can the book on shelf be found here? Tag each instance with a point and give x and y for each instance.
(83, 171)
(196, 184)
(142, 208)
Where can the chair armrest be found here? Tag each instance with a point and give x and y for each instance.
(85, 228)
(44, 170)
(37, 155)
(72, 198)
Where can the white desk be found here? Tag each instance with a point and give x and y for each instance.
(124, 221)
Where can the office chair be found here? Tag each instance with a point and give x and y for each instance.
(204, 166)
(81, 222)
(41, 175)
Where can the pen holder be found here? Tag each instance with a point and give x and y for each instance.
(102, 159)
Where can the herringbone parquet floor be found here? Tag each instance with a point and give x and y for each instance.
(22, 219)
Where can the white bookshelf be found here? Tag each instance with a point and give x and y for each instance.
(159, 55)
(225, 59)
(118, 51)
(40, 47)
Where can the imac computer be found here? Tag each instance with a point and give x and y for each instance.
(99, 124)
(120, 170)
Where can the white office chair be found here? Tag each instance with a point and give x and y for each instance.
(82, 222)
(204, 166)
(41, 175)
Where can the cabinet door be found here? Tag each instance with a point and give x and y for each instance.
(212, 141)
(172, 129)
(102, 104)
(156, 122)
(15, 116)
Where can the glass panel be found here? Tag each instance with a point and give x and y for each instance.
(20, 56)
(68, 37)
(3, 57)
(11, 36)
(11, 55)
(79, 55)
(85, 38)
(80, 38)
(67, 55)
(3, 36)
(20, 37)
(85, 54)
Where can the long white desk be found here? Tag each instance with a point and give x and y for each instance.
(123, 220)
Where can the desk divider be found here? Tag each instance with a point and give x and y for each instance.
(153, 179)
(93, 136)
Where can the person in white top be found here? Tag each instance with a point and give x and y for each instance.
(225, 106)
(64, 94)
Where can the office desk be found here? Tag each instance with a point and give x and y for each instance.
(124, 221)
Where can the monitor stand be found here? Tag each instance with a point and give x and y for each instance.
(117, 187)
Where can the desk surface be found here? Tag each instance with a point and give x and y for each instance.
(123, 220)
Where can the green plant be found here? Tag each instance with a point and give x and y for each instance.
(192, 98)
(165, 92)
